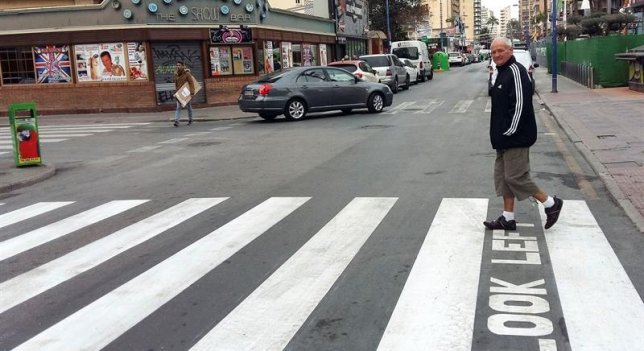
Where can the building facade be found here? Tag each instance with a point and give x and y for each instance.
(119, 55)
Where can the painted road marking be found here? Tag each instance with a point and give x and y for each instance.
(29, 212)
(218, 129)
(399, 107)
(437, 306)
(146, 148)
(99, 323)
(173, 141)
(274, 312)
(461, 106)
(488, 106)
(603, 310)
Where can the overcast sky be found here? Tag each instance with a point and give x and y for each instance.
(497, 5)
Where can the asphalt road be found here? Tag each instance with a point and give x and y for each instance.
(339, 232)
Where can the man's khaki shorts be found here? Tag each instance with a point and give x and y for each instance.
(512, 173)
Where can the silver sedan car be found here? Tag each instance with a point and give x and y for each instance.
(297, 91)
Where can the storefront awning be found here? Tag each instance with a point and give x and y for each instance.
(376, 34)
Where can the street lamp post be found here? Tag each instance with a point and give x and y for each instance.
(388, 27)
(554, 46)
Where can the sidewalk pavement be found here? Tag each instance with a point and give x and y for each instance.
(606, 125)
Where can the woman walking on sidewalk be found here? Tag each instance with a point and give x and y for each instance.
(513, 129)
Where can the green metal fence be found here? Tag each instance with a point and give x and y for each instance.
(597, 52)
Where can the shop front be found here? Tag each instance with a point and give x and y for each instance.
(352, 27)
(121, 55)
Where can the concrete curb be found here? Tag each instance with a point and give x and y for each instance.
(47, 172)
(613, 189)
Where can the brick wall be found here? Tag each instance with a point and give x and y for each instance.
(82, 98)
(225, 90)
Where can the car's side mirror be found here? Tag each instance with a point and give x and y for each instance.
(535, 65)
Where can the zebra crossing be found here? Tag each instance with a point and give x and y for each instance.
(60, 133)
(428, 106)
(436, 308)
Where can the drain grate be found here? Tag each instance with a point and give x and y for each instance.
(606, 136)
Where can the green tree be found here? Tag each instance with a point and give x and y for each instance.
(402, 14)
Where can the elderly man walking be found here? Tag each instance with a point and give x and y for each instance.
(513, 129)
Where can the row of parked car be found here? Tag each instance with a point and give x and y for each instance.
(462, 59)
(368, 82)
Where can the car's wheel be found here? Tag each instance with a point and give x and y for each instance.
(295, 110)
(347, 110)
(417, 78)
(422, 76)
(376, 102)
(431, 74)
(267, 116)
(394, 88)
(407, 82)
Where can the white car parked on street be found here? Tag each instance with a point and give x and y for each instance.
(412, 70)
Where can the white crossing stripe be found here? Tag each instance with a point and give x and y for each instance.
(40, 279)
(593, 287)
(173, 141)
(146, 148)
(220, 128)
(399, 107)
(488, 106)
(29, 212)
(433, 104)
(198, 134)
(547, 345)
(18, 244)
(437, 306)
(6, 147)
(102, 321)
(274, 312)
(461, 106)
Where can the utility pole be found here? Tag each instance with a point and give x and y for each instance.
(388, 27)
(554, 46)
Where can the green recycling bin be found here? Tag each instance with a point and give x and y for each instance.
(24, 133)
(440, 61)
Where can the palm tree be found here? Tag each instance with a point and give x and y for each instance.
(491, 22)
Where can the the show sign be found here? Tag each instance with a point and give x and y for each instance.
(351, 18)
(194, 11)
(230, 36)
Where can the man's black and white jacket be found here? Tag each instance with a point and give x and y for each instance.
(512, 124)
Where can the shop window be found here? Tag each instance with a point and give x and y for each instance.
(220, 61)
(297, 55)
(52, 64)
(227, 60)
(17, 65)
(243, 60)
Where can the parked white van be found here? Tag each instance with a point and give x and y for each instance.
(416, 52)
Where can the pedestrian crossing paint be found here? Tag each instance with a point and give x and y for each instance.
(273, 313)
(59, 133)
(16, 245)
(40, 279)
(102, 321)
(461, 106)
(146, 148)
(29, 212)
(434, 311)
(592, 282)
(437, 305)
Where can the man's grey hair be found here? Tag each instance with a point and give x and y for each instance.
(506, 41)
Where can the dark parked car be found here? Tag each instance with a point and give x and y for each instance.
(296, 91)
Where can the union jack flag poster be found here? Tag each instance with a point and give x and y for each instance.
(52, 64)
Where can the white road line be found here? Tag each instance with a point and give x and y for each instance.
(220, 128)
(63, 135)
(602, 309)
(6, 147)
(274, 312)
(488, 106)
(433, 104)
(173, 141)
(40, 279)
(399, 107)
(102, 321)
(18, 244)
(437, 306)
(461, 106)
(29, 212)
(197, 134)
(146, 148)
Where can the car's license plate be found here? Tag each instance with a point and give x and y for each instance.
(249, 93)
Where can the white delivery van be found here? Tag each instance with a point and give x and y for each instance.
(416, 52)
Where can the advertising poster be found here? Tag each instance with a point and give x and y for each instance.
(268, 57)
(287, 55)
(238, 59)
(248, 60)
(323, 61)
(137, 60)
(220, 61)
(52, 64)
(28, 146)
(351, 17)
(307, 55)
(100, 62)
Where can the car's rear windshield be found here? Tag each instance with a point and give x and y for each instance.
(454, 54)
(273, 77)
(408, 53)
(376, 61)
(347, 67)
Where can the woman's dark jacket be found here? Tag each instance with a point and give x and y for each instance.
(512, 124)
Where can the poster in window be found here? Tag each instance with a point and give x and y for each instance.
(248, 60)
(137, 61)
(323, 61)
(307, 55)
(287, 55)
(102, 62)
(268, 57)
(242, 60)
(52, 64)
(220, 61)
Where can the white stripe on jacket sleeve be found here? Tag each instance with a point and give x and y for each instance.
(519, 103)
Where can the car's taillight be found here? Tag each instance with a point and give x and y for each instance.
(358, 74)
(388, 72)
(264, 89)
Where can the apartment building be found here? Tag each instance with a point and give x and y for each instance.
(504, 21)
